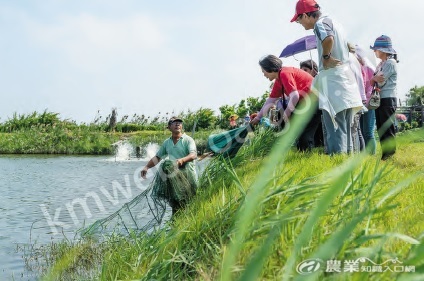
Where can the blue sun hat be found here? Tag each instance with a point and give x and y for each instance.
(383, 44)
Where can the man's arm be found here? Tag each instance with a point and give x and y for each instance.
(191, 150)
(152, 162)
(190, 157)
(327, 45)
(327, 59)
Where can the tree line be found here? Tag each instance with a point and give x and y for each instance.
(194, 120)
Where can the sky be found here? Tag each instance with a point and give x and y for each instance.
(81, 58)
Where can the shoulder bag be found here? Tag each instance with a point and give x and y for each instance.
(375, 98)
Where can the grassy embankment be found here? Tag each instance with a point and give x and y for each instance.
(258, 216)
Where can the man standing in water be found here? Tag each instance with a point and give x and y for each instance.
(181, 150)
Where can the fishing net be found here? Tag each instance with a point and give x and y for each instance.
(147, 212)
(173, 184)
(228, 143)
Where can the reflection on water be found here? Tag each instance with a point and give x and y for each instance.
(45, 198)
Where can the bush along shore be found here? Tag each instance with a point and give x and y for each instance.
(45, 133)
(81, 140)
(263, 213)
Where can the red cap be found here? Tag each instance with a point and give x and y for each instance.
(305, 6)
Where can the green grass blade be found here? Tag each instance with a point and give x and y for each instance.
(255, 195)
(255, 266)
(334, 243)
(338, 184)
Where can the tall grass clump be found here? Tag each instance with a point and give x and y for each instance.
(24, 121)
(65, 260)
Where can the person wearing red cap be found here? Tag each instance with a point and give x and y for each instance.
(335, 83)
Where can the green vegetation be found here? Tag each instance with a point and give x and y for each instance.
(45, 133)
(59, 139)
(415, 96)
(259, 215)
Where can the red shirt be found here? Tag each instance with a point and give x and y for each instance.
(291, 79)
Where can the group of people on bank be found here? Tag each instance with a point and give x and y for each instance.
(342, 83)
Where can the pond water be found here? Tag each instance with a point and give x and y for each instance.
(48, 198)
